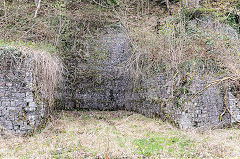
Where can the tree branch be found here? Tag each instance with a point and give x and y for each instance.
(38, 4)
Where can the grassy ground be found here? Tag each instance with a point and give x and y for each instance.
(118, 134)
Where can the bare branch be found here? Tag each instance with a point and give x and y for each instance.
(38, 4)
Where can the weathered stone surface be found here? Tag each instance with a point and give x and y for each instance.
(98, 84)
(234, 106)
(20, 112)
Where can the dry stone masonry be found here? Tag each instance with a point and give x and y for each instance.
(98, 82)
(20, 109)
(205, 110)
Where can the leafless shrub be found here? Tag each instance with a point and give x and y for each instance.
(173, 41)
(152, 47)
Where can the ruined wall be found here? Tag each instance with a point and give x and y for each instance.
(182, 107)
(21, 111)
(234, 106)
(96, 82)
(99, 84)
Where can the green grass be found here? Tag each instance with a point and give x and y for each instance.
(39, 46)
(157, 144)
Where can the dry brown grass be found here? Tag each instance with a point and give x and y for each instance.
(114, 134)
(47, 72)
(174, 45)
(56, 21)
(46, 69)
(170, 41)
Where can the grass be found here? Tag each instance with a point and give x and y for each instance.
(158, 145)
(91, 134)
(39, 46)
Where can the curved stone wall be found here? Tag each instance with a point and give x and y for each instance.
(98, 84)
(21, 111)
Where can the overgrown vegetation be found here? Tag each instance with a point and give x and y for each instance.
(193, 42)
(173, 40)
(153, 37)
(179, 41)
(170, 39)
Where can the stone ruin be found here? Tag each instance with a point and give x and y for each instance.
(101, 85)
(23, 107)
(20, 110)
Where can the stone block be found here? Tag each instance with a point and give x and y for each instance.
(6, 103)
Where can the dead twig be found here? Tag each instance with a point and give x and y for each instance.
(216, 82)
(38, 4)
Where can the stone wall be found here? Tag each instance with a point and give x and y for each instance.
(205, 110)
(21, 111)
(96, 82)
(234, 106)
(99, 84)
